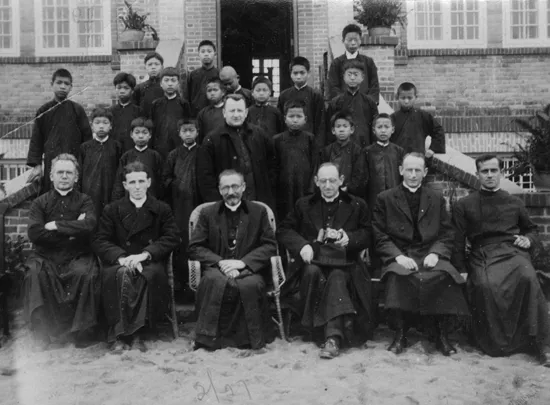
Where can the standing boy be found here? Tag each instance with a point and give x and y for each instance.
(261, 113)
(295, 159)
(312, 99)
(167, 111)
(180, 184)
(150, 90)
(230, 79)
(413, 125)
(60, 126)
(141, 134)
(125, 111)
(100, 157)
(195, 91)
(351, 36)
(211, 117)
(361, 107)
(346, 154)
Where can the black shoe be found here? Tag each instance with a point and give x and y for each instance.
(444, 346)
(331, 349)
(543, 354)
(399, 342)
(139, 344)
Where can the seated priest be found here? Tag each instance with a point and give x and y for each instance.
(233, 242)
(62, 282)
(414, 239)
(326, 233)
(509, 311)
(136, 234)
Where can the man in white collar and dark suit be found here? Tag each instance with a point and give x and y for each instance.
(325, 234)
(414, 240)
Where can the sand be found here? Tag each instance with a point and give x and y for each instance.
(283, 373)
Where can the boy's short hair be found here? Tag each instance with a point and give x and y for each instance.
(62, 73)
(188, 121)
(153, 55)
(103, 113)
(141, 122)
(136, 167)
(342, 115)
(295, 104)
(206, 42)
(351, 28)
(488, 156)
(383, 115)
(406, 86)
(169, 72)
(353, 64)
(300, 61)
(216, 80)
(124, 77)
(264, 80)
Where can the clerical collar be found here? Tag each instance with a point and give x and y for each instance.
(233, 208)
(173, 96)
(63, 193)
(190, 146)
(412, 190)
(383, 144)
(101, 141)
(141, 149)
(219, 104)
(352, 55)
(237, 89)
(490, 190)
(138, 203)
(124, 104)
(330, 200)
(300, 88)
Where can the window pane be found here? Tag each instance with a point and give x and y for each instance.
(465, 19)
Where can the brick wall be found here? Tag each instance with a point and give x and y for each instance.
(200, 24)
(16, 220)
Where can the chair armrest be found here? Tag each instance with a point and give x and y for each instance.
(277, 273)
(194, 274)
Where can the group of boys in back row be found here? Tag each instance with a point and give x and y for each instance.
(182, 143)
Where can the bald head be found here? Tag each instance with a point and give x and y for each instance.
(229, 78)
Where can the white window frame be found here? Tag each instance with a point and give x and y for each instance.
(542, 40)
(446, 42)
(73, 49)
(16, 30)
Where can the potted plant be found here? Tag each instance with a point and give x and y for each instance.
(134, 25)
(379, 15)
(534, 154)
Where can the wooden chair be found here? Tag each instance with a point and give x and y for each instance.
(277, 272)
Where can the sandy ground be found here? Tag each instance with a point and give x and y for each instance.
(283, 373)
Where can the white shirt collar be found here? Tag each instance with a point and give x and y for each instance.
(490, 191)
(382, 144)
(190, 146)
(412, 190)
(102, 141)
(123, 104)
(233, 207)
(64, 193)
(300, 88)
(171, 97)
(141, 149)
(138, 203)
(329, 200)
(352, 55)
(237, 89)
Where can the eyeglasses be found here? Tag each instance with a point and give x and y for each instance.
(233, 187)
(331, 181)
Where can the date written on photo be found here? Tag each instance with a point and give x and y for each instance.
(237, 389)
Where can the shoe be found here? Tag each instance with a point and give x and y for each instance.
(118, 346)
(543, 355)
(330, 350)
(139, 344)
(442, 340)
(399, 342)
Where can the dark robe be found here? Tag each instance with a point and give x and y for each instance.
(195, 90)
(411, 129)
(247, 94)
(267, 117)
(362, 108)
(369, 87)
(320, 295)
(99, 164)
(233, 312)
(246, 149)
(182, 191)
(147, 92)
(150, 158)
(315, 109)
(165, 114)
(209, 120)
(415, 225)
(350, 160)
(382, 164)
(509, 310)
(122, 118)
(60, 130)
(295, 161)
(62, 281)
(130, 299)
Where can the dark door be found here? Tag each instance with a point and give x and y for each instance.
(256, 38)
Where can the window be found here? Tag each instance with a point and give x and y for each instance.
(446, 23)
(525, 181)
(526, 23)
(268, 68)
(9, 28)
(73, 27)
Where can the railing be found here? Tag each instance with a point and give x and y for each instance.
(10, 169)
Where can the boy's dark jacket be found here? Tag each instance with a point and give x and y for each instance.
(370, 85)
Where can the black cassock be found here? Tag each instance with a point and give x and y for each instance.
(147, 92)
(181, 190)
(233, 312)
(165, 114)
(122, 118)
(209, 120)
(99, 164)
(62, 282)
(266, 117)
(411, 129)
(61, 130)
(351, 162)
(195, 89)
(509, 310)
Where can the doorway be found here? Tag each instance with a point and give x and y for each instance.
(257, 39)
